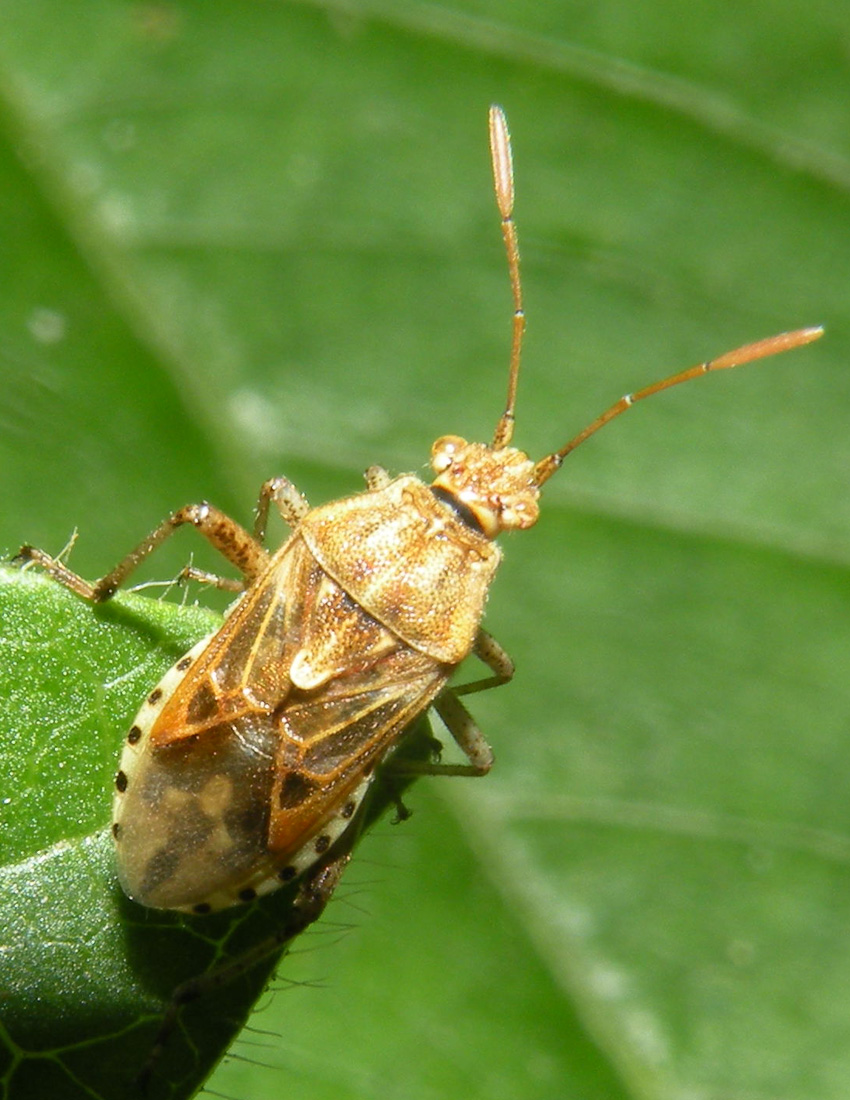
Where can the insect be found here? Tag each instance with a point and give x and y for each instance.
(252, 756)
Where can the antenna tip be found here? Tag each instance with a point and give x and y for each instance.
(500, 155)
(798, 338)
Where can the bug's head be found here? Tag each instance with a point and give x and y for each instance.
(496, 485)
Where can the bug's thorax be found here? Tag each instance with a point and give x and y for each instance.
(410, 561)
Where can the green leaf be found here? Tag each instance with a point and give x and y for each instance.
(86, 974)
(243, 240)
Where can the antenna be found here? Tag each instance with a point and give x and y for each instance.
(503, 183)
(749, 353)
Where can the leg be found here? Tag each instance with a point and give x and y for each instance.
(377, 478)
(488, 650)
(292, 507)
(462, 726)
(291, 504)
(224, 533)
(225, 584)
(459, 722)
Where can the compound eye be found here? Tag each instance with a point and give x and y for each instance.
(445, 450)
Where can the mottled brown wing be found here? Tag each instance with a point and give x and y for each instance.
(243, 670)
(332, 737)
(297, 654)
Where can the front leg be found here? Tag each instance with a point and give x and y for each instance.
(225, 534)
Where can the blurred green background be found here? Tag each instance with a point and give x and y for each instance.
(242, 239)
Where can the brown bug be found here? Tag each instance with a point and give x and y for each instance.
(251, 757)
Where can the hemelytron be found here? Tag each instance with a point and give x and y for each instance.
(249, 760)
